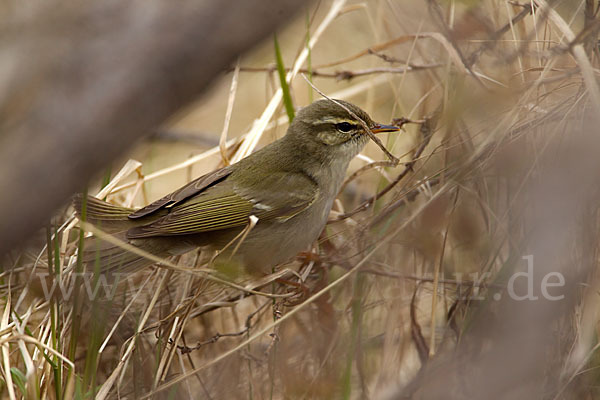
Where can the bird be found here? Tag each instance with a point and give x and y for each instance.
(257, 213)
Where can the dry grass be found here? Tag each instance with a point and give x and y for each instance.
(502, 96)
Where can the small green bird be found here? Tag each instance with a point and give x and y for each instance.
(287, 188)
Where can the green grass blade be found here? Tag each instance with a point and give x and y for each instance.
(287, 98)
(19, 379)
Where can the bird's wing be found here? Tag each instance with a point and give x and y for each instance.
(193, 188)
(229, 204)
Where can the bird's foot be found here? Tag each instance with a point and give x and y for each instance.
(300, 292)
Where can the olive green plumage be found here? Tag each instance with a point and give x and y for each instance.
(289, 186)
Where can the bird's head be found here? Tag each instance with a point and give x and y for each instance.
(335, 130)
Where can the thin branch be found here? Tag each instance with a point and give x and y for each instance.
(230, 101)
(349, 74)
(427, 129)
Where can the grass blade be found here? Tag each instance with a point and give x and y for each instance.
(287, 98)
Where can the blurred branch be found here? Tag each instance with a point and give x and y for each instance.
(378, 47)
(489, 360)
(527, 10)
(81, 82)
(197, 138)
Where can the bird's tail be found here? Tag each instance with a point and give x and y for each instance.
(108, 217)
(109, 257)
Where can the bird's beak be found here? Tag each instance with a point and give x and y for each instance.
(378, 128)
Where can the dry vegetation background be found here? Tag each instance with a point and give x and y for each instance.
(406, 294)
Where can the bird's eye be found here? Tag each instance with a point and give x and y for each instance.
(344, 127)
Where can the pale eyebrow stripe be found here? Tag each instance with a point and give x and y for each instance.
(329, 120)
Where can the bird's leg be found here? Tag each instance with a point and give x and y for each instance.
(308, 256)
(302, 291)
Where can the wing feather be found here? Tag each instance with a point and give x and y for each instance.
(193, 188)
(229, 204)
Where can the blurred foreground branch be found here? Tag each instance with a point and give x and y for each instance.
(81, 82)
(510, 348)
